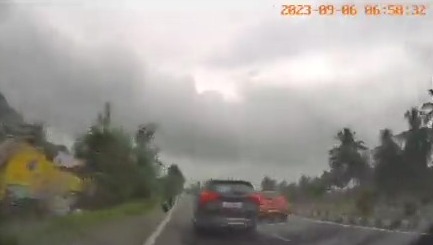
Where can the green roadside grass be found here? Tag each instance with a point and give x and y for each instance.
(340, 207)
(89, 218)
(56, 230)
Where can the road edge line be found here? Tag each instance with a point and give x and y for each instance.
(152, 238)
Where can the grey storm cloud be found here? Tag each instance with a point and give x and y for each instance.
(48, 77)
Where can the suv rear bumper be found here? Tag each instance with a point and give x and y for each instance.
(215, 222)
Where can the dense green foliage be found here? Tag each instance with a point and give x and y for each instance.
(346, 161)
(122, 167)
(173, 182)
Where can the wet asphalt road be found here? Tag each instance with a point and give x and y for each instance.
(296, 231)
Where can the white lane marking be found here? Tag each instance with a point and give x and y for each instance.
(152, 238)
(278, 223)
(280, 237)
(364, 227)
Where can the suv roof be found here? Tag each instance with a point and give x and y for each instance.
(214, 181)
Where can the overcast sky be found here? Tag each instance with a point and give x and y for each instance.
(236, 89)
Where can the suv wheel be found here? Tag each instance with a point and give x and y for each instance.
(251, 231)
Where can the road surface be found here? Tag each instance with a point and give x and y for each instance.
(178, 231)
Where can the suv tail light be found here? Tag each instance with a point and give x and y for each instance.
(208, 196)
(255, 198)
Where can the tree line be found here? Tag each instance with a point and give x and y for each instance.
(120, 166)
(400, 166)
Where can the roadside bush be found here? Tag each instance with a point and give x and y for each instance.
(363, 221)
(395, 224)
(365, 203)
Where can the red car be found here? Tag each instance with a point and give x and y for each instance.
(273, 206)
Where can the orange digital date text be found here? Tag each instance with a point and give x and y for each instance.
(353, 10)
(328, 9)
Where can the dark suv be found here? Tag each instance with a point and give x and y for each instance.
(226, 204)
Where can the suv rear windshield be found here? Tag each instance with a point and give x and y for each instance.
(230, 187)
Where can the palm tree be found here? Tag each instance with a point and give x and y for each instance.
(417, 150)
(346, 161)
(427, 115)
(414, 118)
(418, 140)
(427, 110)
(386, 138)
(390, 169)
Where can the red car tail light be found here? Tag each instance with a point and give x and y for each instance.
(208, 196)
